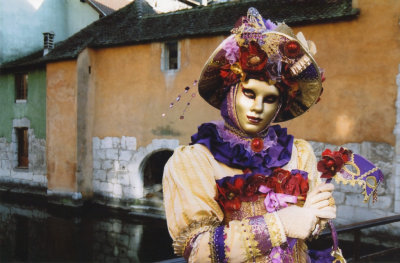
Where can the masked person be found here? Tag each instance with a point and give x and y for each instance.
(245, 190)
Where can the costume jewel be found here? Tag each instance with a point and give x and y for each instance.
(292, 49)
(257, 144)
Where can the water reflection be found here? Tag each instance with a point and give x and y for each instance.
(38, 232)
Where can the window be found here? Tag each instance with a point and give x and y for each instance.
(22, 141)
(171, 58)
(21, 87)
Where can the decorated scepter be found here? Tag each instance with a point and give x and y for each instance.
(348, 168)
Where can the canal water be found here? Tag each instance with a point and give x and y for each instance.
(33, 231)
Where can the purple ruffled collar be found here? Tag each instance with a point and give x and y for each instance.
(270, 139)
(235, 151)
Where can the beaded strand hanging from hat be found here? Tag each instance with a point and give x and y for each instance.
(180, 97)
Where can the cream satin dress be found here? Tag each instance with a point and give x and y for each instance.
(189, 186)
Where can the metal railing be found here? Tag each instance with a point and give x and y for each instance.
(356, 228)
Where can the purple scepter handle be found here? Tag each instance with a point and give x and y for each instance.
(334, 235)
(332, 227)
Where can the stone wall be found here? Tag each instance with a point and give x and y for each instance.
(117, 165)
(35, 175)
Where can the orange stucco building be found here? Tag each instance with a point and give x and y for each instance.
(61, 98)
(105, 95)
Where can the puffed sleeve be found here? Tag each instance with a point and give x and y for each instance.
(307, 161)
(195, 219)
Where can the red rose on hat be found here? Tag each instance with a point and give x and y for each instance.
(252, 58)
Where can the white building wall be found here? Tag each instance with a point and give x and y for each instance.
(22, 23)
(165, 6)
(79, 15)
(396, 159)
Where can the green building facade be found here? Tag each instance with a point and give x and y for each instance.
(23, 126)
(34, 109)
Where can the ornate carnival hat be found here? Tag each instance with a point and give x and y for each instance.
(257, 48)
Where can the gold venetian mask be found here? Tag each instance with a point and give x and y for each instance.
(256, 104)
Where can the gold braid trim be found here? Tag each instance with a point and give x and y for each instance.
(275, 229)
(192, 230)
(251, 244)
(300, 251)
(307, 161)
(213, 253)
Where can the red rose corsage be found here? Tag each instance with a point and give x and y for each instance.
(332, 162)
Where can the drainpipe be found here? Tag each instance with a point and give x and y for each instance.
(48, 42)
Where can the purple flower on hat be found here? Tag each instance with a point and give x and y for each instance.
(269, 24)
(232, 50)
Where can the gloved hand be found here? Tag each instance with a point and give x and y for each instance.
(319, 197)
(299, 222)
